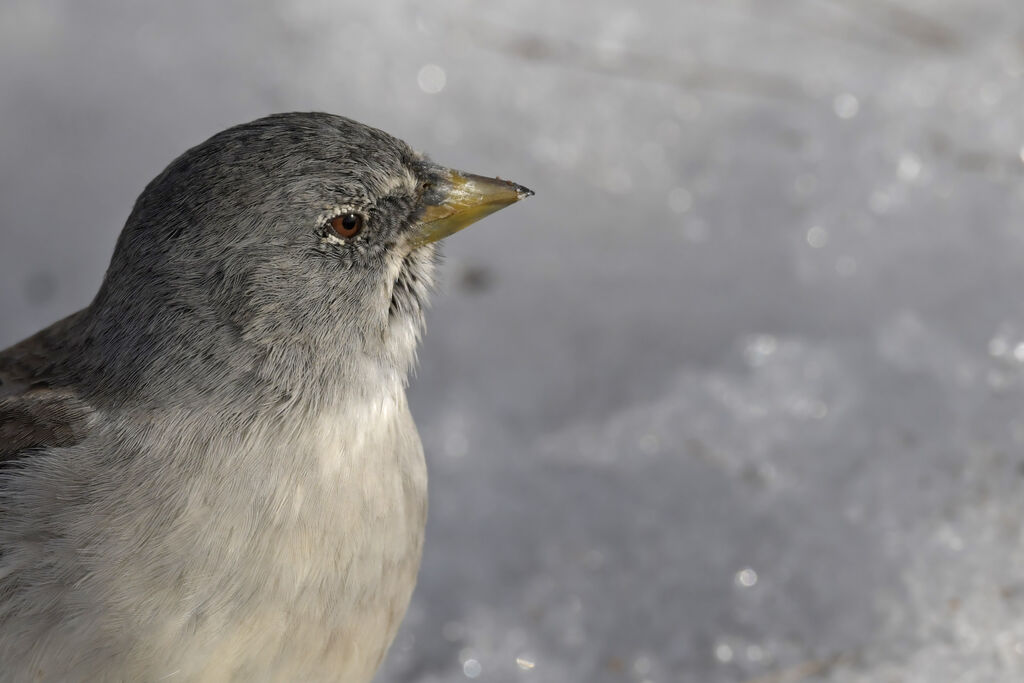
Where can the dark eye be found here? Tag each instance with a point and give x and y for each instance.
(347, 224)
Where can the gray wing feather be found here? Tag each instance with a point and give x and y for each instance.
(40, 418)
(35, 414)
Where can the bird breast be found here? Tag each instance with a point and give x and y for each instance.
(307, 571)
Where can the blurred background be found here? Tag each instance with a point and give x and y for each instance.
(738, 396)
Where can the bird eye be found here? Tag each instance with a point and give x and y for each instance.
(347, 224)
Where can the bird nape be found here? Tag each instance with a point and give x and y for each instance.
(211, 471)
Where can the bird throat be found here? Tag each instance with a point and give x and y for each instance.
(412, 285)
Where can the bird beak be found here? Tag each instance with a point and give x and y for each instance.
(461, 199)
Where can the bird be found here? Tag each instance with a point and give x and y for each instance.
(211, 472)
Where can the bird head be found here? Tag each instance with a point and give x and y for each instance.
(296, 238)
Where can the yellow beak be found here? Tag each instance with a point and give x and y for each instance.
(466, 198)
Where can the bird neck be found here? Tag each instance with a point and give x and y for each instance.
(154, 343)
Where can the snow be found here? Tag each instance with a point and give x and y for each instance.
(737, 396)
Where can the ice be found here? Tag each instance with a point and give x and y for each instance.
(737, 396)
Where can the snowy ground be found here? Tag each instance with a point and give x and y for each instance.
(738, 396)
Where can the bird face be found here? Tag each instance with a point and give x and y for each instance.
(308, 230)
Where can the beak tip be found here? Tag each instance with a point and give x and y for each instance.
(522, 192)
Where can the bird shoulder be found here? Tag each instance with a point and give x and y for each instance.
(35, 412)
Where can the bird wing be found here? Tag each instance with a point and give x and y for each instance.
(35, 411)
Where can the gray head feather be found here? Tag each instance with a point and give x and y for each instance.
(226, 265)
